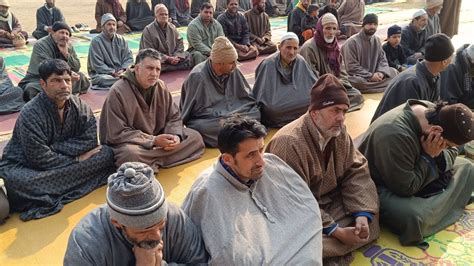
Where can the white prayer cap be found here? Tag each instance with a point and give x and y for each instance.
(288, 36)
(328, 18)
(106, 17)
(470, 52)
(4, 3)
(419, 13)
(433, 3)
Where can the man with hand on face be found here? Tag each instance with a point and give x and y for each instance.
(56, 46)
(140, 121)
(251, 207)
(414, 37)
(45, 18)
(365, 59)
(283, 83)
(236, 29)
(423, 184)
(137, 226)
(318, 147)
(53, 157)
(109, 55)
(163, 36)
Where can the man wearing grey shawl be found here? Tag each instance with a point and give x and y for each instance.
(283, 83)
(109, 55)
(137, 226)
(251, 207)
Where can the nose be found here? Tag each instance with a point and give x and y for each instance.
(155, 234)
(260, 160)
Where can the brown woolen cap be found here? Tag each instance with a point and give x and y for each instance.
(328, 91)
(457, 122)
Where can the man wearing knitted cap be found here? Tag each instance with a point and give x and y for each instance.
(214, 90)
(365, 59)
(283, 83)
(433, 7)
(10, 27)
(115, 8)
(259, 26)
(140, 121)
(422, 183)
(55, 46)
(421, 81)
(109, 55)
(323, 55)
(202, 31)
(236, 29)
(458, 79)
(137, 226)
(251, 207)
(414, 37)
(163, 36)
(318, 147)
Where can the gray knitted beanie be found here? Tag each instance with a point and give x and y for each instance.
(134, 197)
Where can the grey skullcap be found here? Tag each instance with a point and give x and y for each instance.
(134, 197)
(106, 17)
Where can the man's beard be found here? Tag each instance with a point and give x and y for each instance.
(329, 40)
(369, 32)
(146, 244)
(50, 5)
(4, 14)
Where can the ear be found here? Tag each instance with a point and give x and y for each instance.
(436, 128)
(115, 223)
(227, 158)
(43, 84)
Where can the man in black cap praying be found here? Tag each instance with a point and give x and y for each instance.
(423, 184)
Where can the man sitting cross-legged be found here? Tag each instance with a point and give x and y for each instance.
(140, 121)
(53, 157)
(109, 55)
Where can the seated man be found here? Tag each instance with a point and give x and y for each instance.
(139, 14)
(214, 90)
(45, 18)
(365, 59)
(109, 55)
(11, 96)
(422, 183)
(237, 31)
(251, 206)
(458, 79)
(53, 157)
(55, 46)
(295, 17)
(115, 8)
(351, 13)
(137, 226)
(179, 11)
(202, 32)
(162, 36)
(318, 147)
(433, 7)
(323, 55)
(283, 83)
(221, 6)
(421, 81)
(260, 30)
(140, 121)
(414, 37)
(10, 28)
